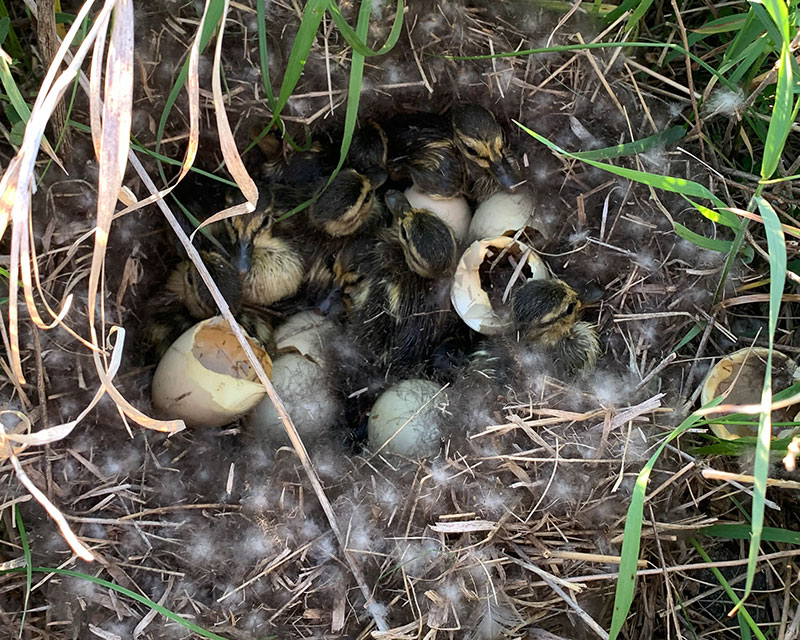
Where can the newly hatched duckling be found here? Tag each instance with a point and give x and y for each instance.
(447, 156)
(398, 292)
(346, 213)
(269, 266)
(546, 312)
(369, 151)
(185, 300)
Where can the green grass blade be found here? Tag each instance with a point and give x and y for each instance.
(208, 27)
(662, 139)
(742, 532)
(723, 246)
(131, 594)
(733, 22)
(782, 116)
(777, 269)
(12, 91)
(743, 613)
(667, 183)
(626, 584)
(263, 53)
(26, 550)
(303, 41)
(358, 40)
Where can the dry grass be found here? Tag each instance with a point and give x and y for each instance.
(517, 525)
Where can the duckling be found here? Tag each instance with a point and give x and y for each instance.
(369, 151)
(451, 155)
(546, 312)
(347, 213)
(269, 265)
(398, 293)
(185, 300)
(305, 168)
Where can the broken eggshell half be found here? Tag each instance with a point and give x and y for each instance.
(478, 299)
(301, 380)
(454, 212)
(740, 375)
(204, 377)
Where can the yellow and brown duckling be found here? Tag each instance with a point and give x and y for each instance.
(185, 300)
(450, 155)
(269, 265)
(369, 151)
(546, 313)
(398, 291)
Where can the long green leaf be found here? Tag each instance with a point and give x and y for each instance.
(26, 550)
(782, 116)
(263, 53)
(662, 139)
(358, 40)
(667, 183)
(723, 246)
(626, 584)
(777, 269)
(742, 532)
(126, 592)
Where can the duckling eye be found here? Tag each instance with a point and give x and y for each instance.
(570, 309)
(403, 233)
(471, 150)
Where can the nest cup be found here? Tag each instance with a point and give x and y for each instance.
(205, 379)
(741, 376)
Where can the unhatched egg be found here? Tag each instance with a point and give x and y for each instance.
(405, 419)
(502, 214)
(454, 212)
(204, 377)
(301, 380)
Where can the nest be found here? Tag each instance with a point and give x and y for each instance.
(515, 528)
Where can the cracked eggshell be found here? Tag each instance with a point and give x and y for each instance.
(501, 214)
(744, 371)
(470, 300)
(204, 377)
(405, 418)
(455, 212)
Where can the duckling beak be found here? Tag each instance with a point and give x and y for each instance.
(377, 177)
(396, 202)
(243, 258)
(505, 174)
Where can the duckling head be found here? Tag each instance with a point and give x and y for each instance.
(480, 139)
(346, 204)
(427, 241)
(545, 310)
(369, 152)
(246, 233)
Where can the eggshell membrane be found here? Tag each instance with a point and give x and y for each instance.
(745, 371)
(402, 417)
(469, 299)
(501, 214)
(302, 386)
(204, 377)
(455, 212)
(303, 333)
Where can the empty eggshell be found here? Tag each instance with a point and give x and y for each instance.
(454, 212)
(204, 377)
(467, 294)
(501, 214)
(744, 370)
(405, 419)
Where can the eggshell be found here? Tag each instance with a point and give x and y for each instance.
(470, 300)
(455, 212)
(405, 419)
(303, 387)
(744, 370)
(501, 214)
(204, 377)
(303, 333)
